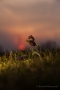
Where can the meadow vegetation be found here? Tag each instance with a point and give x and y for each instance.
(30, 69)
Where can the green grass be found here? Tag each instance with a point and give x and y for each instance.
(32, 71)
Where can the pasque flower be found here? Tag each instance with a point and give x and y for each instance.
(31, 40)
(32, 43)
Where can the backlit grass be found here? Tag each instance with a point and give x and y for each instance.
(29, 71)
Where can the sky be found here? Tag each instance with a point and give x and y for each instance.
(20, 18)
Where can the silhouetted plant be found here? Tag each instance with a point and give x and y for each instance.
(31, 38)
(34, 46)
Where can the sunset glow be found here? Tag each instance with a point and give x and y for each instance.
(21, 47)
(20, 18)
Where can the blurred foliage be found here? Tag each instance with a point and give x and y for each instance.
(30, 71)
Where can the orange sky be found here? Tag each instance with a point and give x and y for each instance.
(20, 18)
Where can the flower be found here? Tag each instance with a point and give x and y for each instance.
(20, 58)
(32, 43)
(31, 38)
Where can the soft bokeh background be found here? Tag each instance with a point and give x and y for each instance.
(20, 18)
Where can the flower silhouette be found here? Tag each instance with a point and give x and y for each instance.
(31, 42)
(35, 48)
(31, 38)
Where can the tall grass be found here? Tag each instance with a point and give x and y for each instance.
(29, 71)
